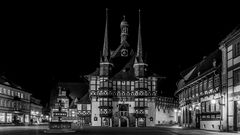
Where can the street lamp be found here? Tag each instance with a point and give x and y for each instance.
(175, 110)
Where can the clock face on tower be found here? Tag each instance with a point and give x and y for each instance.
(124, 52)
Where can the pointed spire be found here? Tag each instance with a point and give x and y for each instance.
(106, 53)
(139, 45)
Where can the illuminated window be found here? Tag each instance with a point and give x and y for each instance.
(208, 106)
(197, 90)
(236, 77)
(118, 82)
(200, 87)
(210, 83)
(93, 82)
(203, 106)
(9, 92)
(216, 80)
(2, 117)
(128, 87)
(4, 91)
(205, 85)
(9, 117)
(236, 50)
(93, 87)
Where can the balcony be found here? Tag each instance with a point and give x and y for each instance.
(140, 107)
(105, 114)
(105, 107)
(140, 115)
(105, 93)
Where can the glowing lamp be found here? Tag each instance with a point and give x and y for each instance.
(213, 101)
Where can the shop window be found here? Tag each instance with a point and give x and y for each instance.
(9, 117)
(26, 118)
(2, 117)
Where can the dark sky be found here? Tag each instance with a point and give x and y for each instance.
(41, 46)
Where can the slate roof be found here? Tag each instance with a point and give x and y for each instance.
(235, 31)
(200, 68)
(127, 72)
(85, 99)
(5, 81)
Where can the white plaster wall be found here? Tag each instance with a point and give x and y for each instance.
(95, 113)
(151, 113)
(210, 125)
(166, 117)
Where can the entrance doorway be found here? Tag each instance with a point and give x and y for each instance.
(141, 122)
(198, 121)
(124, 122)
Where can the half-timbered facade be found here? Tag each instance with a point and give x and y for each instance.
(122, 90)
(230, 47)
(199, 93)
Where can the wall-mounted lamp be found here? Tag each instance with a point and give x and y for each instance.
(213, 101)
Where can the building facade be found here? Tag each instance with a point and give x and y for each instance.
(14, 103)
(230, 47)
(167, 111)
(199, 93)
(209, 92)
(122, 90)
(84, 110)
(36, 111)
(70, 109)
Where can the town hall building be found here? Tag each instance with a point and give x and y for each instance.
(123, 91)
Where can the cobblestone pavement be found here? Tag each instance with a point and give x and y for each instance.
(174, 130)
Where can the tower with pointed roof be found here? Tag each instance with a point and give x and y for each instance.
(140, 67)
(122, 93)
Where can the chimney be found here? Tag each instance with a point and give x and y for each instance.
(214, 62)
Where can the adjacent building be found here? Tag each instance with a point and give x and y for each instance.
(36, 111)
(14, 103)
(230, 47)
(199, 93)
(84, 110)
(68, 106)
(209, 91)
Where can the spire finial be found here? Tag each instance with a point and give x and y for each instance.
(105, 45)
(139, 45)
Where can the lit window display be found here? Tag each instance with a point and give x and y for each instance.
(26, 118)
(2, 117)
(9, 117)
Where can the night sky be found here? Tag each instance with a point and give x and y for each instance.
(42, 46)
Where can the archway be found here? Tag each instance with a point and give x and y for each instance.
(124, 122)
